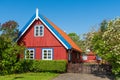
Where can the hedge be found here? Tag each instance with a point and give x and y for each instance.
(48, 66)
(22, 66)
(58, 66)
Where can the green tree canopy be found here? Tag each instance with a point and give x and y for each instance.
(9, 49)
(106, 43)
(9, 29)
(78, 40)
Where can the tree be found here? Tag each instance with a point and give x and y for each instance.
(9, 49)
(111, 39)
(106, 43)
(10, 29)
(77, 39)
(97, 41)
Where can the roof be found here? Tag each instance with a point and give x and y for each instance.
(65, 36)
(56, 31)
(91, 53)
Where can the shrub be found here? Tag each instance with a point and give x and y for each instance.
(22, 66)
(35, 66)
(48, 66)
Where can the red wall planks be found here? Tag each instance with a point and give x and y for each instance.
(47, 41)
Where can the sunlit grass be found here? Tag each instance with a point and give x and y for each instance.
(30, 76)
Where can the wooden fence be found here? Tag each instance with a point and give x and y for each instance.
(89, 68)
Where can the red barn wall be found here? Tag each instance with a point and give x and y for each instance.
(90, 58)
(47, 41)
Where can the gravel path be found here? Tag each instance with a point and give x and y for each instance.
(78, 76)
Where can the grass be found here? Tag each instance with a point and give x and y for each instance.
(30, 76)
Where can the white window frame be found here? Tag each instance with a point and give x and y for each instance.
(40, 31)
(85, 57)
(47, 54)
(33, 56)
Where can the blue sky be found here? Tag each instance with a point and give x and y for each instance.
(70, 15)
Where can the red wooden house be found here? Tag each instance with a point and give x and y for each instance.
(90, 57)
(45, 41)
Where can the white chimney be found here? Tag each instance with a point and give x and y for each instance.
(37, 13)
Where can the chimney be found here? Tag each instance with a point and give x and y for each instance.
(37, 13)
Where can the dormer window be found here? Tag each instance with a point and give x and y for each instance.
(39, 30)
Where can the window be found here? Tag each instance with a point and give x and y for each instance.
(84, 57)
(29, 54)
(47, 54)
(39, 30)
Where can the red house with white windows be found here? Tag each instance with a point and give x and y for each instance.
(90, 57)
(45, 41)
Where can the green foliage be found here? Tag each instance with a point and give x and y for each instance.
(106, 43)
(23, 66)
(49, 66)
(103, 26)
(117, 77)
(77, 39)
(9, 50)
(40, 66)
(111, 39)
(10, 30)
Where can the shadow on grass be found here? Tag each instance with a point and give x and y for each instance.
(18, 78)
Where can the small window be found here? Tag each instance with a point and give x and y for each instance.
(47, 54)
(39, 30)
(84, 57)
(29, 54)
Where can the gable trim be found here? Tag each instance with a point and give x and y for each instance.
(21, 34)
(64, 42)
(53, 33)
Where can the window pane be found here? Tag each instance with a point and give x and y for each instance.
(36, 34)
(29, 54)
(31, 51)
(36, 31)
(36, 27)
(45, 51)
(41, 34)
(47, 54)
(49, 51)
(41, 27)
(39, 30)
(49, 57)
(31, 57)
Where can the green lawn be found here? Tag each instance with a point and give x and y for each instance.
(30, 76)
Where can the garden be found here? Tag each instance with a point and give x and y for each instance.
(105, 42)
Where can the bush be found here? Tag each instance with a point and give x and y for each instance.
(23, 66)
(117, 77)
(48, 66)
(35, 66)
